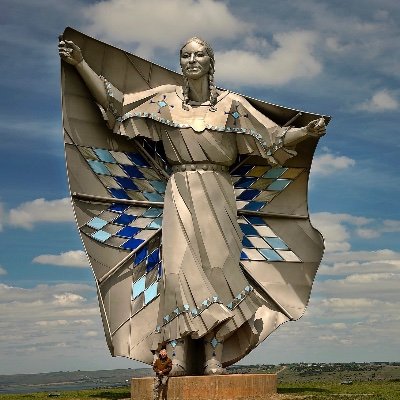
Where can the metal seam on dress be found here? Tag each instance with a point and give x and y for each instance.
(195, 312)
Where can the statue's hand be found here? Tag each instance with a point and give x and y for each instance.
(316, 128)
(69, 52)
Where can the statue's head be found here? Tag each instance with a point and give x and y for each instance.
(197, 59)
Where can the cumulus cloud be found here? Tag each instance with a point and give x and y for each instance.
(40, 294)
(349, 267)
(328, 164)
(52, 322)
(350, 274)
(40, 210)
(337, 228)
(156, 24)
(73, 258)
(337, 304)
(380, 286)
(292, 58)
(56, 322)
(68, 299)
(382, 100)
(2, 271)
(386, 226)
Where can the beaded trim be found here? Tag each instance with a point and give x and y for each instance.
(239, 298)
(195, 312)
(226, 129)
(110, 94)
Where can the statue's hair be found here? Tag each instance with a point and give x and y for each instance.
(211, 84)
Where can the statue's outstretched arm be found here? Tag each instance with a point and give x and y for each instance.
(315, 128)
(72, 54)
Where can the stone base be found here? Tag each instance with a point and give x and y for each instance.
(217, 387)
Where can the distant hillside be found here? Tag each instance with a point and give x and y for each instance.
(74, 380)
(304, 372)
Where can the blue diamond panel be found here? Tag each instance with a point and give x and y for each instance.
(132, 176)
(257, 185)
(147, 284)
(260, 243)
(125, 227)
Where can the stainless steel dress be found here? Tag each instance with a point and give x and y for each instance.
(201, 240)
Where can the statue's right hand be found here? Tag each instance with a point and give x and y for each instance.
(69, 52)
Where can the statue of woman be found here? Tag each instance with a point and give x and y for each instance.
(201, 237)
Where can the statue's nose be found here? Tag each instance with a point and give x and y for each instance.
(192, 57)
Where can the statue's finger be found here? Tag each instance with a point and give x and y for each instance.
(74, 46)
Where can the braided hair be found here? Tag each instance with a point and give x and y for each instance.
(211, 84)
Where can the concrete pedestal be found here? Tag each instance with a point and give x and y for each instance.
(218, 387)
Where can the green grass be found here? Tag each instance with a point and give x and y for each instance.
(385, 390)
(93, 394)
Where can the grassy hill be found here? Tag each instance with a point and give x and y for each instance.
(336, 381)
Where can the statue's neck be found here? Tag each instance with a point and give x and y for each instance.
(199, 90)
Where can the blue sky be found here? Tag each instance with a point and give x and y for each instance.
(329, 57)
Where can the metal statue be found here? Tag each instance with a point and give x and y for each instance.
(191, 202)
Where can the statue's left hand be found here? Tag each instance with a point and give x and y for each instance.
(316, 128)
(69, 52)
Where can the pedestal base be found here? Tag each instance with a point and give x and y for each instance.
(218, 387)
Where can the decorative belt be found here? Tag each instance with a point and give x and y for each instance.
(196, 167)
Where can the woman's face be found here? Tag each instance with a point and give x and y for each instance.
(195, 62)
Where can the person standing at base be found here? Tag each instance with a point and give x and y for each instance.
(162, 367)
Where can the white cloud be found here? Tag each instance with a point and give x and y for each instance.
(162, 24)
(350, 267)
(291, 59)
(40, 294)
(383, 255)
(339, 228)
(56, 322)
(338, 326)
(68, 299)
(351, 304)
(45, 317)
(380, 286)
(328, 164)
(91, 334)
(41, 210)
(382, 100)
(73, 258)
(336, 229)
(372, 278)
(2, 271)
